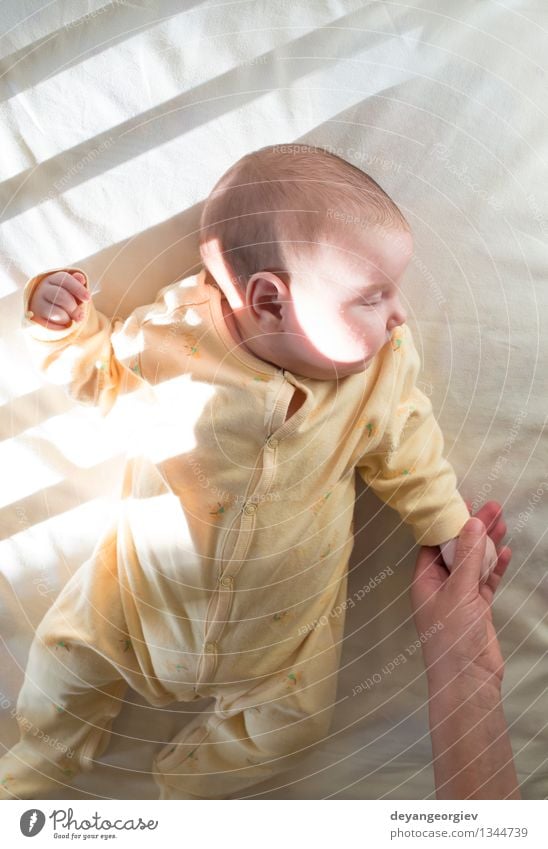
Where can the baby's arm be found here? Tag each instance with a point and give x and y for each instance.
(408, 470)
(76, 345)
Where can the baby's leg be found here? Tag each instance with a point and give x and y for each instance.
(253, 736)
(79, 667)
(65, 709)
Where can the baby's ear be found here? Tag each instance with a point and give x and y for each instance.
(267, 294)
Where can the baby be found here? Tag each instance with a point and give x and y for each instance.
(267, 379)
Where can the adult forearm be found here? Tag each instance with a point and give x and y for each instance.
(471, 749)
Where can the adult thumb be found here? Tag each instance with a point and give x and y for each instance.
(469, 554)
(79, 276)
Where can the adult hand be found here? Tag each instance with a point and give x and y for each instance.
(466, 644)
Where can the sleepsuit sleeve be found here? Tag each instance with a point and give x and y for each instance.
(407, 468)
(95, 359)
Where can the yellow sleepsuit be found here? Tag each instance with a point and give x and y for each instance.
(230, 546)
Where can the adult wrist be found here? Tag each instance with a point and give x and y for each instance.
(477, 688)
(471, 750)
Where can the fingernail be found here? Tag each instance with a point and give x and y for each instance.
(474, 527)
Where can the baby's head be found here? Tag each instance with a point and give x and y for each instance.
(309, 252)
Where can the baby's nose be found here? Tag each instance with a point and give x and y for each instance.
(398, 317)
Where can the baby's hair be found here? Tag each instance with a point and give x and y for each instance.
(282, 199)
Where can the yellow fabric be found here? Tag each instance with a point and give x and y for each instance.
(385, 423)
(224, 573)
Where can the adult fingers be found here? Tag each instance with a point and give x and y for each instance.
(469, 553)
(490, 587)
(498, 532)
(489, 513)
(429, 575)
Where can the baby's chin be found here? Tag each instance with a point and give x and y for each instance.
(333, 371)
(358, 368)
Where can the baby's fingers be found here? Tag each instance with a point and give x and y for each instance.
(61, 298)
(74, 284)
(56, 314)
(50, 316)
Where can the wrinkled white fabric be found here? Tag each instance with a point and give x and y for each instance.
(115, 126)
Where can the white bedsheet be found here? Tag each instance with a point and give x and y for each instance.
(117, 118)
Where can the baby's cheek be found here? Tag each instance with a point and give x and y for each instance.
(341, 342)
(370, 336)
(359, 345)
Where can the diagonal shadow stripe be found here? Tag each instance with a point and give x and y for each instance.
(143, 262)
(29, 410)
(201, 105)
(122, 19)
(60, 497)
(167, 251)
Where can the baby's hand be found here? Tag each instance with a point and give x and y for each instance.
(490, 557)
(491, 516)
(57, 299)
